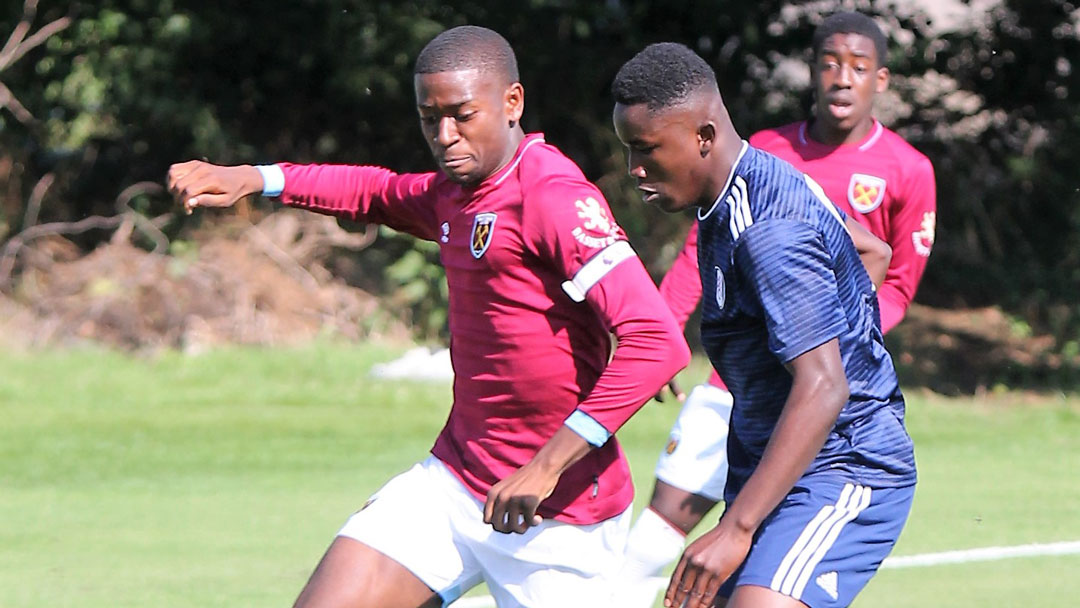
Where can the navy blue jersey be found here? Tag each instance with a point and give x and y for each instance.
(780, 276)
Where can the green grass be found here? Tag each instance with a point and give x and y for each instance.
(218, 480)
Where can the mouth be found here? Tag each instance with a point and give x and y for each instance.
(649, 195)
(453, 162)
(841, 108)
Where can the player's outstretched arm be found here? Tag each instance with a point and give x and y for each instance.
(201, 184)
(874, 252)
(819, 391)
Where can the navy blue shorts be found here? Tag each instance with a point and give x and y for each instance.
(824, 541)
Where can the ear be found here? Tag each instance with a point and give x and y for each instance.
(514, 103)
(706, 135)
(882, 80)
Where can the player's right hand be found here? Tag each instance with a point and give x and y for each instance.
(201, 184)
(705, 565)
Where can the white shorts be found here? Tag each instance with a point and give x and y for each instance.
(426, 520)
(695, 457)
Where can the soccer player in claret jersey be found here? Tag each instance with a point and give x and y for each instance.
(866, 169)
(882, 183)
(822, 471)
(525, 488)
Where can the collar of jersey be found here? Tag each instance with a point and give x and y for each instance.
(870, 139)
(727, 184)
(499, 176)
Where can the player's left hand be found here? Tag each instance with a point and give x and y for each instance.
(705, 565)
(512, 503)
(672, 387)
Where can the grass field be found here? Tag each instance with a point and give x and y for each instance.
(218, 480)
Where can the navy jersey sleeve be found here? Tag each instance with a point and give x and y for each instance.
(785, 265)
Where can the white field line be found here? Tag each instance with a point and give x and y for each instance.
(983, 554)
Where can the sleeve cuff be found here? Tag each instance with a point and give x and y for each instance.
(589, 429)
(273, 179)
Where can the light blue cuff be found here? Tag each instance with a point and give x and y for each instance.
(589, 429)
(273, 179)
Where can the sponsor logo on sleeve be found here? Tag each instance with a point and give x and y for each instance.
(483, 228)
(596, 229)
(445, 232)
(865, 192)
(923, 238)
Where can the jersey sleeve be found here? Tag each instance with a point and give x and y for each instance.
(911, 236)
(681, 286)
(786, 267)
(404, 202)
(569, 226)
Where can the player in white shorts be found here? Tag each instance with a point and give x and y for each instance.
(527, 488)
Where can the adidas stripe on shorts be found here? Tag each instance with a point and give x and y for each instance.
(824, 541)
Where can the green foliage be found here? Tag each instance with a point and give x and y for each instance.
(419, 286)
(133, 86)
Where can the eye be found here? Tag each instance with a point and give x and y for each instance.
(465, 116)
(429, 121)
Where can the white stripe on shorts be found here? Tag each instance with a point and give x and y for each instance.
(816, 539)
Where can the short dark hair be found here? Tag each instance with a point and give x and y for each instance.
(468, 47)
(852, 23)
(662, 75)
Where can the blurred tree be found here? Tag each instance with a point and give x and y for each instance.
(990, 94)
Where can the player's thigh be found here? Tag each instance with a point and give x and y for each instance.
(555, 564)
(416, 521)
(351, 574)
(753, 596)
(824, 542)
(695, 457)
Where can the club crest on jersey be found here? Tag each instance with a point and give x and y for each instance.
(721, 289)
(923, 239)
(483, 227)
(865, 192)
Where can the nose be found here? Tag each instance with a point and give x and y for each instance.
(845, 76)
(634, 168)
(447, 132)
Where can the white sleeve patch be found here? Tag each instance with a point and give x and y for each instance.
(588, 428)
(596, 269)
(273, 180)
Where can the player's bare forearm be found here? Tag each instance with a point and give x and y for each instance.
(512, 503)
(819, 391)
(874, 252)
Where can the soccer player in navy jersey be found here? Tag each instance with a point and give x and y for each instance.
(883, 184)
(821, 469)
(526, 488)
